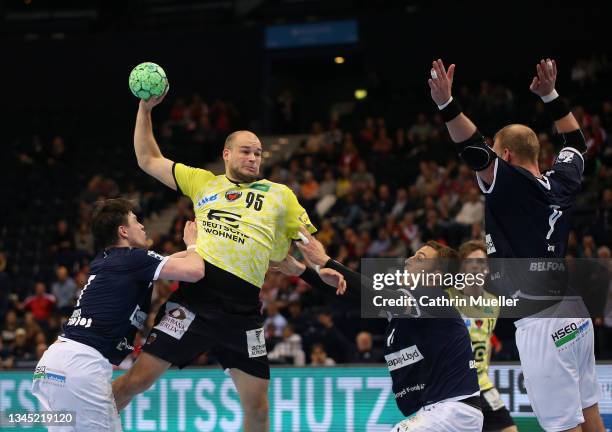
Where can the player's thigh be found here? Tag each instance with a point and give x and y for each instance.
(179, 335)
(592, 419)
(79, 382)
(240, 343)
(145, 371)
(590, 391)
(551, 374)
(444, 417)
(253, 391)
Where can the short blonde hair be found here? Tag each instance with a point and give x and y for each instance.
(521, 141)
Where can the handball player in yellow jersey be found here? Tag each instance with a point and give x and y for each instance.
(244, 223)
(480, 321)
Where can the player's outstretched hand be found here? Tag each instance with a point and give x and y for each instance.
(332, 278)
(441, 82)
(312, 249)
(544, 83)
(190, 233)
(289, 266)
(153, 101)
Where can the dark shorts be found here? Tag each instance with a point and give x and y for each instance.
(496, 415)
(180, 335)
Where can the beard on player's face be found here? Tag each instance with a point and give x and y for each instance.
(242, 175)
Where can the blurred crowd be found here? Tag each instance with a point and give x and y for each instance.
(373, 188)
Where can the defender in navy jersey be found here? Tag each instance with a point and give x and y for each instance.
(430, 360)
(75, 373)
(527, 215)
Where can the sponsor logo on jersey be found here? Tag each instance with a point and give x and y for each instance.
(305, 220)
(138, 318)
(151, 338)
(390, 338)
(402, 358)
(568, 333)
(178, 314)
(260, 186)
(478, 323)
(155, 255)
(256, 345)
(566, 156)
(125, 345)
(405, 391)
(50, 376)
(207, 199)
(490, 246)
(544, 266)
(77, 320)
(472, 364)
(232, 195)
(176, 320)
(221, 215)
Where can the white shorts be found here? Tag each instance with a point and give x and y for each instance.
(558, 362)
(451, 416)
(72, 376)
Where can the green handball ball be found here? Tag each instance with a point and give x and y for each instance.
(148, 79)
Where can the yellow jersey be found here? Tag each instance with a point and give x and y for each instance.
(480, 322)
(241, 226)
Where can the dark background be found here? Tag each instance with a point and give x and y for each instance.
(76, 60)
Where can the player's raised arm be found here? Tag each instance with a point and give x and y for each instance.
(543, 84)
(149, 157)
(470, 143)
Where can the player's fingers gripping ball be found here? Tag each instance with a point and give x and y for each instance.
(147, 80)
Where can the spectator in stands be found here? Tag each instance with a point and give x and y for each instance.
(64, 289)
(9, 327)
(421, 130)
(20, 349)
(472, 210)
(40, 350)
(275, 318)
(318, 356)
(289, 349)
(603, 226)
(380, 245)
(401, 201)
(31, 327)
(334, 341)
(365, 352)
(362, 179)
(83, 239)
(4, 286)
(309, 191)
(41, 304)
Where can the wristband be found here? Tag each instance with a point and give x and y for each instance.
(317, 268)
(550, 96)
(192, 247)
(445, 104)
(450, 109)
(557, 108)
(310, 276)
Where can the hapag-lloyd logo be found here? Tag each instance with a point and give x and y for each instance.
(404, 357)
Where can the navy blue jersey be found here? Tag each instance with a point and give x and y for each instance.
(529, 217)
(430, 359)
(115, 302)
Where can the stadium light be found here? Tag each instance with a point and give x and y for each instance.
(339, 60)
(361, 94)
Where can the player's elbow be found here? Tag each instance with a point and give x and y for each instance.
(144, 163)
(196, 272)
